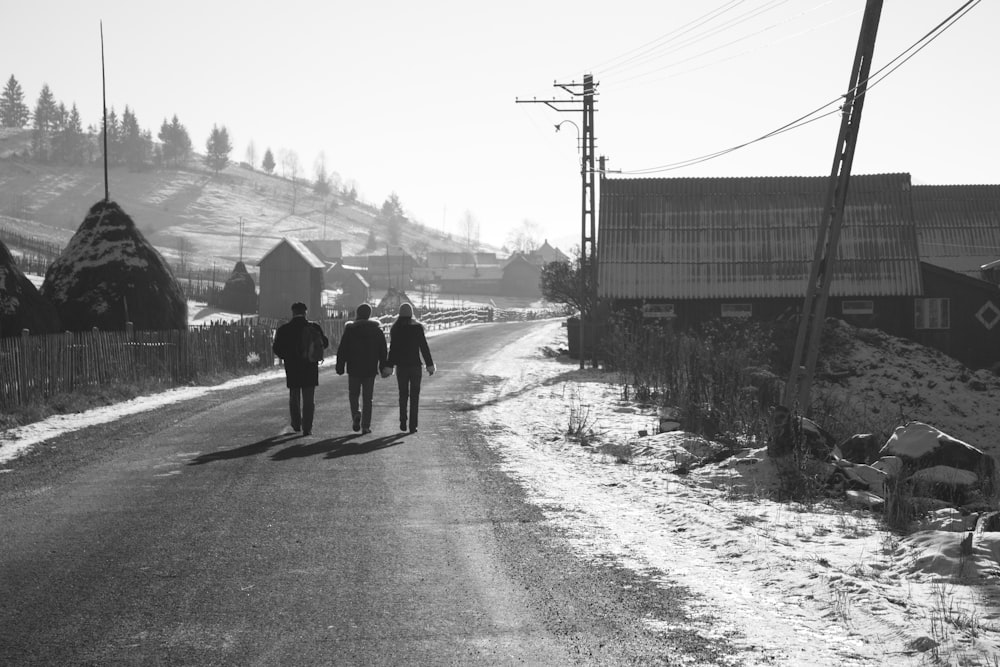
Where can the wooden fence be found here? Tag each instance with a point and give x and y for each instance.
(35, 367)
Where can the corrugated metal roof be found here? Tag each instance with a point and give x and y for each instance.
(702, 238)
(958, 226)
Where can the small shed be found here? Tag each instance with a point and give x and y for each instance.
(290, 272)
(521, 277)
(355, 290)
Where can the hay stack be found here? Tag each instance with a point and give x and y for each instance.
(239, 294)
(109, 274)
(21, 304)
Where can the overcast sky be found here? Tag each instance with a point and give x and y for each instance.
(419, 97)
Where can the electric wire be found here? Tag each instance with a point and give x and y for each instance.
(665, 37)
(806, 119)
(694, 39)
(617, 84)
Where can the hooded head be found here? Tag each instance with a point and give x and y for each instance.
(405, 310)
(298, 308)
(364, 312)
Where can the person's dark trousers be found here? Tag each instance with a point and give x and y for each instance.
(363, 387)
(302, 407)
(408, 378)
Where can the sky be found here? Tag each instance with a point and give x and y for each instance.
(419, 99)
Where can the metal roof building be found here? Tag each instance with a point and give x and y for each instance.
(723, 238)
(958, 226)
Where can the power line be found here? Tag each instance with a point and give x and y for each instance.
(617, 84)
(695, 39)
(665, 38)
(806, 119)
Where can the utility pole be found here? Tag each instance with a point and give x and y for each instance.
(582, 100)
(821, 274)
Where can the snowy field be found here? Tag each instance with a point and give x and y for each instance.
(790, 584)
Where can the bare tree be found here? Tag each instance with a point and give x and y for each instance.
(291, 162)
(524, 237)
(470, 228)
(252, 155)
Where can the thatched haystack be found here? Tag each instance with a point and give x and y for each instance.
(21, 304)
(109, 274)
(239, 294)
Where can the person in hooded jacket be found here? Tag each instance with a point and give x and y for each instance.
(362, 353)
(301, 375)
(407, 344)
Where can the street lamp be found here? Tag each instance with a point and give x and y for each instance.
(579, 144)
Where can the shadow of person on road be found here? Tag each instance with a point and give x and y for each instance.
(313, 449)
(345, 445)
(252, 449)
(366, 447)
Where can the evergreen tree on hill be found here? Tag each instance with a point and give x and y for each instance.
(114, 142)
(268, 164)
(137, 145)
(217, 149)
(392, 216)
(45, 119)
(176, 142)
(69, 144)
(13, 111)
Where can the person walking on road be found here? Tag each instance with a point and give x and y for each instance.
(291, 343)
(407, 344)
(362, 352)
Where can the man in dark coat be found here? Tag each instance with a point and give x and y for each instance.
(362, 353)
(301, 375)
(407, 345)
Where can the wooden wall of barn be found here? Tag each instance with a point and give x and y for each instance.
(285, 277)
(970, 338)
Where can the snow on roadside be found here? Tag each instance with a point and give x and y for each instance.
(789, 584)
(16, 441)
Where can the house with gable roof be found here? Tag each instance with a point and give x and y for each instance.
(290, 272)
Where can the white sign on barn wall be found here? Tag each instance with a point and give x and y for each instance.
(664, 310)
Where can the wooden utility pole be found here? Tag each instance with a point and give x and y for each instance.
(582, 100)
(813, 315)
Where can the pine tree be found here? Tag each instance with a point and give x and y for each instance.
(45, 119)
(13, 111)
(69, 142)
(114, 140)
(176, 142)
(136, 146)
(322, 185)
(268, 164)
(218, 149)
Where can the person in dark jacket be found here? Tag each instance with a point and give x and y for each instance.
(362, 353)
(408, 344)
(301, 375)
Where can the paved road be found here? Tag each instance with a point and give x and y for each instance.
(206, 533)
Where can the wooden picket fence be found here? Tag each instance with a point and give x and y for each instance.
(35, 367)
